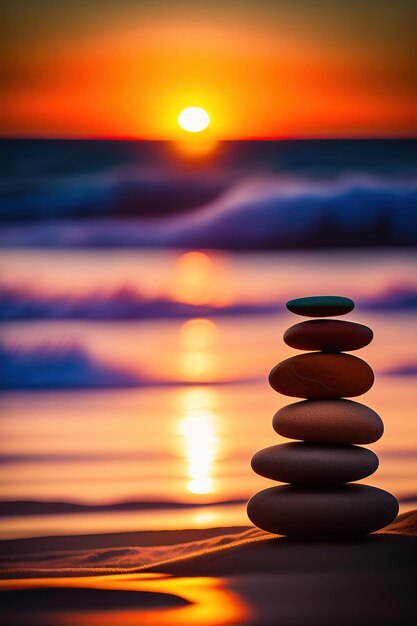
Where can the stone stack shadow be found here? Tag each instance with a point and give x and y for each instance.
(320, 500)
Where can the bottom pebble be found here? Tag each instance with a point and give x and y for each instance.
(347, 510)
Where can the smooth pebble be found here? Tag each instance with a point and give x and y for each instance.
(349, 510)
(314, 464)
(337, 421)
(328, 335)
(320, 306)
(322, 375)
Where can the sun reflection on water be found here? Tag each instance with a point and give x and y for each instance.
(196, 361)
(197, 334)
(193, 280)
(198, 430)
(196, 147)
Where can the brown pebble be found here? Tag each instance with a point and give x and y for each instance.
(322, 375)
(314, 464)
(336, 421)
(347, 510)
(328, 335)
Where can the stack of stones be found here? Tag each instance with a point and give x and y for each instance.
(320, 500)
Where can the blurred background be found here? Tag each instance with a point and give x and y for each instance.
(145, 269)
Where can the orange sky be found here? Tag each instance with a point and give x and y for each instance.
(266, 69)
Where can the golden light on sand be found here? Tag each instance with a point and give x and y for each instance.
(198, 430)
(210, 602)
(193, 119)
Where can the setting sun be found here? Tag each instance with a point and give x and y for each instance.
(193, 119)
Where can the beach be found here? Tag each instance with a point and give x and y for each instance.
(210, 577)
(142, 307)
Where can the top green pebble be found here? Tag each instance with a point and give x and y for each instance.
(321, 306)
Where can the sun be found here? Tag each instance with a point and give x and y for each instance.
(193, 119)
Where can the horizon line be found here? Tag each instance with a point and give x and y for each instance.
(411, 137)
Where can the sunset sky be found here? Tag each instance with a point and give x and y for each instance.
(265, 69)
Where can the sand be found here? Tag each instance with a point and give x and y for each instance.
(210, 577)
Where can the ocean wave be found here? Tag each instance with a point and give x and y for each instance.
(17, 303)
(252, 214)
(12, 508)
(406, 369)
(121, 192)
(271, 214)
(59, 367)
(123, 303)
(71, 366)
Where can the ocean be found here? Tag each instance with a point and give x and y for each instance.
(143, 296)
